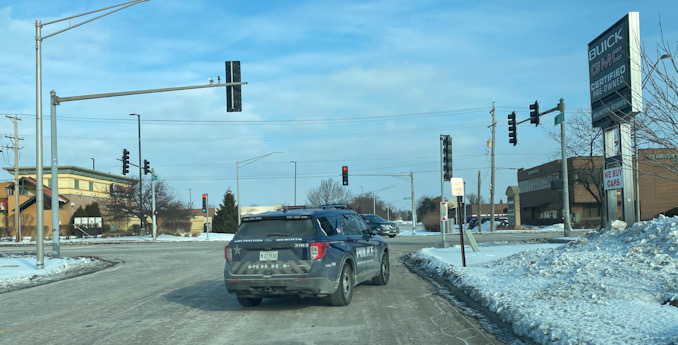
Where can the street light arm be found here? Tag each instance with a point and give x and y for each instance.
(254, 159)
(380, 190)
(124, 6)
(647, 77)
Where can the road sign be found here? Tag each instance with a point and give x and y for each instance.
(407, 198)
(457, 186)
(443, 211)
(559, 118)
(613, 178)
(154, 177)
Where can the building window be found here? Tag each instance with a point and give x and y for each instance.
(591, 211)
(91, 186)
(77, 184)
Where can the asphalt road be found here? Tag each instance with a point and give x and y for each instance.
(173, 293)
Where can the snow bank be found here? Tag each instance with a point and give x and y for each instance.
(610, 287)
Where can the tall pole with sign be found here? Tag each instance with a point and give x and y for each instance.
(457, 184)
(616, 97)
(445, 175)
(154, 180)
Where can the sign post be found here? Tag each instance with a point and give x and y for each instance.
(457, 184)
(616, 97)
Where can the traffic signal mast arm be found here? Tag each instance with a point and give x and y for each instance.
(556, 108)
(129, 163)
(57, 100)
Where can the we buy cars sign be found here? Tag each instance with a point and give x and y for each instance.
(612, 178)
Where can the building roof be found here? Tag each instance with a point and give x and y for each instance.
(74, 170)
(46, 191)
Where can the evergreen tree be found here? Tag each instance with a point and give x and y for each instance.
(93, 210)
(226, 220)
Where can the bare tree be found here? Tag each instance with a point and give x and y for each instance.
(585, 144)
(329, 192)
(172, 215)
(657, 126)
(472, 198)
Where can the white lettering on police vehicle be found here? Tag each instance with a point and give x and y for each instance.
(362, 252)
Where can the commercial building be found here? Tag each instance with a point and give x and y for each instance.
(77, 187)
(541, 197)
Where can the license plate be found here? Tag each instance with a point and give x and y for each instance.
(271, 255)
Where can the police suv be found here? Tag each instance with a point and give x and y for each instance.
(306, 252)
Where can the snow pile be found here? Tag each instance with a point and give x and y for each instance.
(19, 270)
(615, 286)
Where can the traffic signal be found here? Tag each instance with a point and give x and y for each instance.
(344, 175)
(534, 113)
(233, 94)
(513, 129)
(125, 161)
(447, 156)
(204, 202)
(147, 168)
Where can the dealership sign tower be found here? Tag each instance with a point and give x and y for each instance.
(616, 97)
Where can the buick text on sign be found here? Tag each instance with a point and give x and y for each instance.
(612, 178)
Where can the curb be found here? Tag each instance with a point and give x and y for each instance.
(416, 268)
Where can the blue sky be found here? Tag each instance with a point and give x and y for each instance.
(370, 85)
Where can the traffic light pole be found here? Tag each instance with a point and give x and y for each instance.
(534, 118)
(443, 244)
(411, 176)
(155, 224)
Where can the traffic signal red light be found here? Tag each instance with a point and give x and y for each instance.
(344, 175)
(204, 202)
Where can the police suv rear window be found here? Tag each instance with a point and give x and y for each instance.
(278, 227)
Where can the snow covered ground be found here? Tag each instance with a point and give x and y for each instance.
(613, 286)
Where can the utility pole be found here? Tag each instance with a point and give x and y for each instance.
(17, 208)
(480, 205)
(492, 225)
(566, 189)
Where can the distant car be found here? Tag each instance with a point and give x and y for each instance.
(304, 252)
(384, 227)
(499, 221)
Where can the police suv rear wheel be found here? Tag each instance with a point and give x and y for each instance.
(384, 272)
(344, 293)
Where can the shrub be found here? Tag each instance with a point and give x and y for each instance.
(431, 221)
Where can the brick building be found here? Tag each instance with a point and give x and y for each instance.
(541, 189)
(77, 187)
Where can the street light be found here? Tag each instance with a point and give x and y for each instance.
(295, 182)
(237, 176)
(39, 197)
(374, 198)
(141, 202)
(92, 163)
(635, 139)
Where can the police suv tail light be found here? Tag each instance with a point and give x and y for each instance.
(228, 253)
(318, 250)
